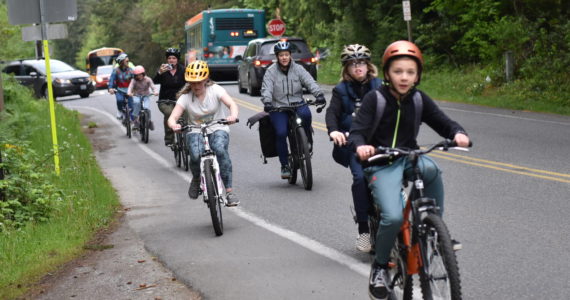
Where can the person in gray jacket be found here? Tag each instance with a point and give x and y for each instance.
(282, 85)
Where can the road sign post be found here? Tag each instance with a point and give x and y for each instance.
(38, 12)
(276, 27)
(408, 16)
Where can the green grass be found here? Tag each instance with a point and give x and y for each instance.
(89, 202)
(470, 86)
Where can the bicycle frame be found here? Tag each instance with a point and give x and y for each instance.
(209, 155)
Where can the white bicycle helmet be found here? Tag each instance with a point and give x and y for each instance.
(354, 51)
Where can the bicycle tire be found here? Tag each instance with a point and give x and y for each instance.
(442, 279)
(213, 198)
(146, 128)
(128, 123)
(185, 154)
(293, 164)
(304, 158)
(402, 282)
(141, 125)
(176, 149)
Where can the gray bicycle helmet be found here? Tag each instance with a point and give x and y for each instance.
(172, 51)
(354, 51)
(281, 46)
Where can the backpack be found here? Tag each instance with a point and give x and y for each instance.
(266, 134)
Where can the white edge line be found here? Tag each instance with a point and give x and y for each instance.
(505, 116)
(305, 242)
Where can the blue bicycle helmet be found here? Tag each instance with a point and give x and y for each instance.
(282, 46)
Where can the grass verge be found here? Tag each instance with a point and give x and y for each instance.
(88, 201)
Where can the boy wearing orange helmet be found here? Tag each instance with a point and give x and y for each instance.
(398, 127)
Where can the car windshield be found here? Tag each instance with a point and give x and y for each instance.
(56, 66)
(297, 47)
(104, 70)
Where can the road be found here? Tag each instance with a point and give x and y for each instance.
(506, 201)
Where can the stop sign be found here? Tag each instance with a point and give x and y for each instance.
(276, 27)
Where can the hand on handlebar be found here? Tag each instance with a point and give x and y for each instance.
(365, 151)
(112, 91)
(320, 100)
(176, 127)
(232, 119)
(338, 138)
(267, 107)
(461, 139)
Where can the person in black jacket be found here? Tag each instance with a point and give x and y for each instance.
(170, 76)
(358, 78)
(402, 67)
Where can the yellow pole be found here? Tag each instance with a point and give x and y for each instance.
(51, 109)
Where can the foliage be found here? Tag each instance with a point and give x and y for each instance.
(13, 47)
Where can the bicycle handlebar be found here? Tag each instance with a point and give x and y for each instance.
(299, 104)
(208, 124)
(389, 152)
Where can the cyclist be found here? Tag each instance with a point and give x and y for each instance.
(358, 77)
(119, 83)
(139, 89)
(398, 127)
(170, 76)
(203, 100)
(282, 85)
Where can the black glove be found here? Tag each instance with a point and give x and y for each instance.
(267, 107)
(320, 100)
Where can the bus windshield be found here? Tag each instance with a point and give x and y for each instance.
(101, 57)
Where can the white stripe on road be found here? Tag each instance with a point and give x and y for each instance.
(505, 116)
(308, 243)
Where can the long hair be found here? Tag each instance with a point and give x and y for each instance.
(187, 88)
(372, 72)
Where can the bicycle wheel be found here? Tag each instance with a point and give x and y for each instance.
(213, 198)
(142, 125)
(304, 159)
(146, 125)
(128, 123)
(442, 278)
(293, 164)
(185, 153)
(402, 284)
(177, 150)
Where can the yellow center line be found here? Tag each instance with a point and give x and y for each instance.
(499, 166)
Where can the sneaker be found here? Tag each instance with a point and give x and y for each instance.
(456, 245)
(119, 115)
(194, 189)
(169, 145)
(363, 242)
(378, 287)
(231, 199)
(285, 172)
(151, 125)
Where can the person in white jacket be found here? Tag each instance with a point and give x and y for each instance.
(282, 85)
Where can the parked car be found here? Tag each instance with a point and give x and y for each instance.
(259, 55)
(102, 76)
(66, 80)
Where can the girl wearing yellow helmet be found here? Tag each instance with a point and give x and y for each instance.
(203, 101)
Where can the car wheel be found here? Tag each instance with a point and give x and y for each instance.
(83, 95)
(250, 90)
(240, 89)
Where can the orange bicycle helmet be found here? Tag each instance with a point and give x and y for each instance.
(403, 48)
(197, 71)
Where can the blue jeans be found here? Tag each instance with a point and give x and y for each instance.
(360, 192)
(385, 182)
(280, 122)
(138, 101)
(121, 96)
(219, 142)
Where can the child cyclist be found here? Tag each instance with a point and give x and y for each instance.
(402, 68)
(140, 89)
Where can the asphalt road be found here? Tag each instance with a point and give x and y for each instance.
(506, 201)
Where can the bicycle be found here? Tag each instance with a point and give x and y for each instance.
(127, 118)
(144, 121)
(211, 184)
(180, 149)
(300, 155)
(424, 245)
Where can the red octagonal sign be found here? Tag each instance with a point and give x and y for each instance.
(276, 27)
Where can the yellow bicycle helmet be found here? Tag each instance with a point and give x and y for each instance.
(197, 71)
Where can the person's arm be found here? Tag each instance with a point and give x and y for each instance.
(174, 116)
(130, 89)
(267, 86)
(308, 81)
(111, 84)
(435, 118)
(232, 105)
(332, 116)
(362, 125)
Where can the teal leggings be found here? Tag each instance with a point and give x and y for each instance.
(385, 182)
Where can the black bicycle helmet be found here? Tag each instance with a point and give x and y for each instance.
(282, 46)
(172, 51)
